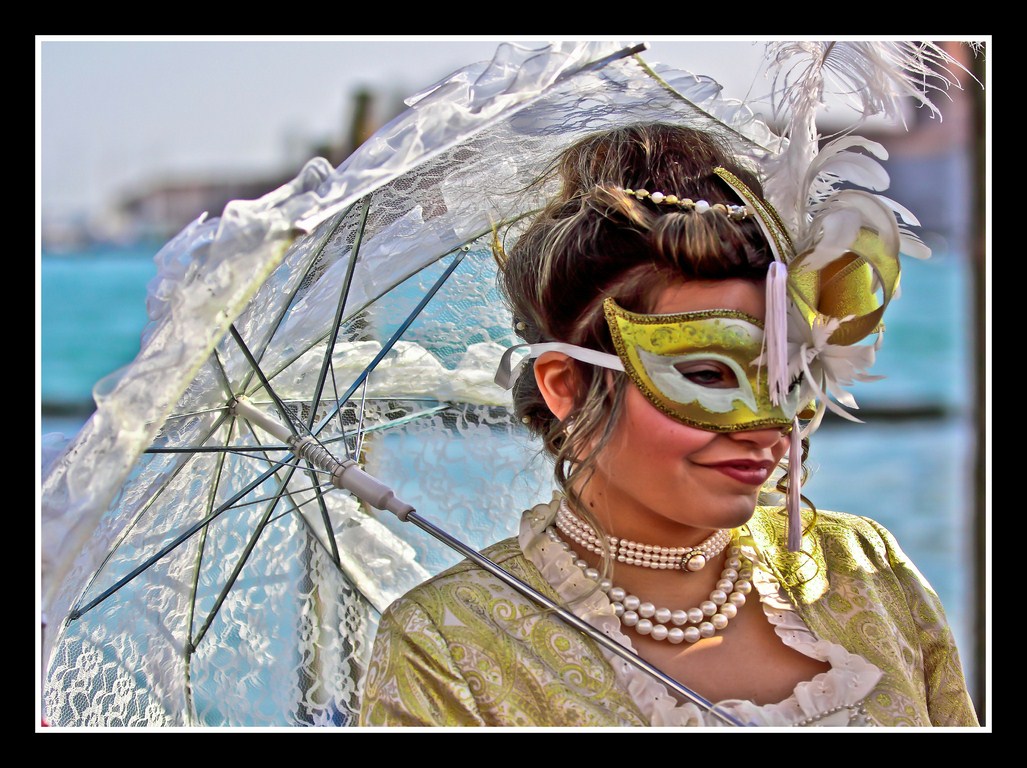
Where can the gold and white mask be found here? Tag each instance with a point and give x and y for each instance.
(696, 367)
(700, 367)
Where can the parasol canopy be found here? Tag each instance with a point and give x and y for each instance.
(198, 567)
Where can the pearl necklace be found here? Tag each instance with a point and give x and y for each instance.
(646, 555)
(712, 615)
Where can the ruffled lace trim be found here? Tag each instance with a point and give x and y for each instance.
(831, 698)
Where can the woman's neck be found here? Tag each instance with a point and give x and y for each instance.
(628, 519)
(673, 587)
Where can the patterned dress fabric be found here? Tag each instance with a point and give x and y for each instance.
(466, 649)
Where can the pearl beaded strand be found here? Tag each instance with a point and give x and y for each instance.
(691, 559)
(691, 625)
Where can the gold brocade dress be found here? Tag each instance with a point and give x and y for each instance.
(465, 649)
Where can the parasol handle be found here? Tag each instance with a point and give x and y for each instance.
(573, 620)
(350, 477)
(345, 474)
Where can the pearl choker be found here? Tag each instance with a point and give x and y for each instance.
(646, 555)
(645, 618)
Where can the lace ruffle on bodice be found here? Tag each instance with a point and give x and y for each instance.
(832, 698)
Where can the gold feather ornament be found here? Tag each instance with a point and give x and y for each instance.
(847, 237)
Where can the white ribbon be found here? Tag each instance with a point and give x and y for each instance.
(506, 375)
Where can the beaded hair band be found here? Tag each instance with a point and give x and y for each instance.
(736, 212)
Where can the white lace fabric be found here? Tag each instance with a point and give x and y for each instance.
(436, 182)
(831, 698)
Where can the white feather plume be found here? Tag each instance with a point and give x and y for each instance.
(875, 78)
(838, 220)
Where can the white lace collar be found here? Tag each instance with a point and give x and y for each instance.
(832, 698)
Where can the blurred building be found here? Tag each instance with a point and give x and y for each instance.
(927, 163)
(163, 208)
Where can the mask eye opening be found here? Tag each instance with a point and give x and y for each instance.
(695, 370)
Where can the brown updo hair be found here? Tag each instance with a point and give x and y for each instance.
(592, 241)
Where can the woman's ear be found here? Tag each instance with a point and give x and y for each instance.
(554, 374)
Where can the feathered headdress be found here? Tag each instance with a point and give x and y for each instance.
(829, 287)
(835, 237)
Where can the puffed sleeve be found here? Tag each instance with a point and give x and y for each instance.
(948, 701)
(412, 679)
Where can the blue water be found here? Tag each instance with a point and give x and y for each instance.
(93, 311)
(912, 476)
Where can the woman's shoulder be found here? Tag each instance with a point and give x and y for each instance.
(504, 553)
(826, 526)
(467, 581)
(842, 529)
(831, 541)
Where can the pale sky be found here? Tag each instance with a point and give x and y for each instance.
(115, 113)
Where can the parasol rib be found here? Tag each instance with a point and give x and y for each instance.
(77, 613)
(258, 530)
(247, 450)
(230, 582)
(387, 347)
(347, 475)
(146, 507)
(314, 260)
(194, 588)
(339, 312)
(286, 414)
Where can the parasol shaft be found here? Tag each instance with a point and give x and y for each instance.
(345, 474)
(350, 477)
(604, 640)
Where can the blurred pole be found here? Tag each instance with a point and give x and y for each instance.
(979, 271)
(362, 124)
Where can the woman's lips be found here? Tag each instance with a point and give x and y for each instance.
(748, 472)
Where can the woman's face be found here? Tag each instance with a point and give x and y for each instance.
(657, 474)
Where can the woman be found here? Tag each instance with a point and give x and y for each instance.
(659, 254)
